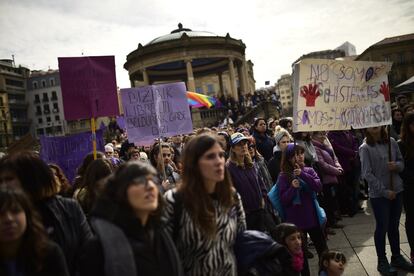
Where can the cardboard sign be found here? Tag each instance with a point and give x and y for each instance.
(156, 111)
(338, 95)
(88, 87)
(68, 151)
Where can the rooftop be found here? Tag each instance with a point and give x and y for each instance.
(395, 39)
(177, 33)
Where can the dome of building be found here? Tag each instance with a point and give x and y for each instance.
(176, 34)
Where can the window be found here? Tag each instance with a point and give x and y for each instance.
(40, 121)
(48, 119)
(57, 118)
(46, 108)
(38, 110)
(37, 99)
(43, 83)
(35, 85)
(210, 88)
(14, 83)
(54, 96)
(199, 90)
(45, 97)
(52, 81)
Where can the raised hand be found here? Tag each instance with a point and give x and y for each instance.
(385, 90)
(310, 93)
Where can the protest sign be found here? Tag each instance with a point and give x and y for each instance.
(338, 95)
(68, 152)
(156, 111)
(88, 87)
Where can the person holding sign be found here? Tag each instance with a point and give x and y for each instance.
(385, 193)
(205, 214)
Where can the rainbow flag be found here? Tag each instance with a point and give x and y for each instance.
(199, 100)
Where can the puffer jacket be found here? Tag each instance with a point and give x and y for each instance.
(328, 165)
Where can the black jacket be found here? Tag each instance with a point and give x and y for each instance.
(274, 165)
(123, 247)
(54, 264)
(65, 224)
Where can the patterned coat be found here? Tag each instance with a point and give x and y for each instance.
(201, 256)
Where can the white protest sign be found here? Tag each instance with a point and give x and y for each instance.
(338, 95)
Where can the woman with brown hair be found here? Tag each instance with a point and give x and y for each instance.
(63, 185)
(381, 172)
(204, 213)
(62, 218)
(24, 246)
(93, 183)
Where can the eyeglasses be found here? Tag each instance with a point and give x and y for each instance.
(339, 257)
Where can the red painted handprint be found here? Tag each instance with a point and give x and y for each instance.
(310, 93)
(385, 90)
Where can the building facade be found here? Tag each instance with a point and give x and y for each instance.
(208, 63)
(46, 104)
(400, 51)
(283, 88)
(14, 121)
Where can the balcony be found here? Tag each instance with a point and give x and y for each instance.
(55, 110)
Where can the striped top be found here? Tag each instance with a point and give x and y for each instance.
(202, 256)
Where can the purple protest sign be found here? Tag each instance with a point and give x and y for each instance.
(68, 152)
(120, 120)
(156, 111)
(88, 87)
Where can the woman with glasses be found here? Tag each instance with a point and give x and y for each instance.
(130, 238)
(205, 213)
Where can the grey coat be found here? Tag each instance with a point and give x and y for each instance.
(374, 168)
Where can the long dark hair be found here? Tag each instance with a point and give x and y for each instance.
(97, 170)
(33, 248)
(36, 178)
(113, 203)
(370, 140)
(195, 197)
(407, 136)
(286, 166)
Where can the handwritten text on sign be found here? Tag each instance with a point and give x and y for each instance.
(68, 152)
(154, 111)
(338, 95)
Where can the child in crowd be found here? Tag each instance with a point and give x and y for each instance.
(290, 236)
(332, 263)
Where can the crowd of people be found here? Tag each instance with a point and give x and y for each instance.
(242, 200)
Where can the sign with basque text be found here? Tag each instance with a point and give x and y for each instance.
(338, 95)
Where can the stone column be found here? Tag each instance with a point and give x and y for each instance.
(145, 76)
(190, 76)
(220, 78)
(233, 85)
(242, 80)
(246, 76)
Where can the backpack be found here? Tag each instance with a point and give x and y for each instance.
(274, 197)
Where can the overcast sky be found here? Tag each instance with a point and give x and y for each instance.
(276, 32)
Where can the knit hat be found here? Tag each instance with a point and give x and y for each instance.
(280, 134)
(284, 230)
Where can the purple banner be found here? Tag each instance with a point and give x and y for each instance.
(88, 87)
(68, 152)
(156, 111)
(120, 120)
